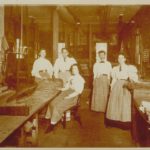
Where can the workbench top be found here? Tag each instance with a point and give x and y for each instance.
(44, 93)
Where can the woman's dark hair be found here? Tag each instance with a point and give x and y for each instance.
(64, 48)
(42, 49)
(124, 54)
(126, 57)
(73, 66)
(69, 53)
(101, 51)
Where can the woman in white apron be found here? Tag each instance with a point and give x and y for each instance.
(119, 105)
(101, 83)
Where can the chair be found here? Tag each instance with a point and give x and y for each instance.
(74, 112)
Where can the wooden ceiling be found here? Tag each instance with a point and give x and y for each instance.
(41, 15)
(99, 16)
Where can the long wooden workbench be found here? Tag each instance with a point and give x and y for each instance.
(140, 124)
(36, 102)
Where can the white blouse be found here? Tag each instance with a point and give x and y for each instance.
(102, 68)
(41, 64)
(127, 71)
(61, 65)
(133, 73)
(76, 83)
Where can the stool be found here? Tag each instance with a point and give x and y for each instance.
(74, 112)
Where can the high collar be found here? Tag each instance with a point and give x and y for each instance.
(42, 57)
(65, 58)
(102, 61)
(76, 75)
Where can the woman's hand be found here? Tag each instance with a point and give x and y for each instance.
(112, 84)
(67, 97)
(60, 89)
(74, 94)
(110, 87)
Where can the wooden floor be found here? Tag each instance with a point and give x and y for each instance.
(93, 133)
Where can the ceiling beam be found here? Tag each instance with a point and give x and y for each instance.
(65, 15)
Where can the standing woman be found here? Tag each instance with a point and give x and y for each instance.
(119, 105)
(101, 83)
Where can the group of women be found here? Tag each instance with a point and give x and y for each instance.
(109, 94)
(66, 69)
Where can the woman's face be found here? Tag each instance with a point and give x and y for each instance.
(75, 70)
(121, 59)
(65, 53)
(43, 53)
(102, 56)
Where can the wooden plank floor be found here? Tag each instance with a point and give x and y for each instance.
(93, 133)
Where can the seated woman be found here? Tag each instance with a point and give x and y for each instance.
(67, 98)
(118, 112)
(42, 67)
(62, 66)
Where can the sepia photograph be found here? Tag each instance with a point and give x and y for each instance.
(74, 75)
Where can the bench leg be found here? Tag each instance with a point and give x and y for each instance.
(77, 117)
(64, 120)
(32, 133)
(35, 131)
(21, 142)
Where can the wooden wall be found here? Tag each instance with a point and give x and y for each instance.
(141, 27)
